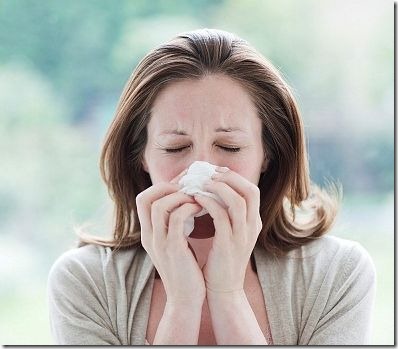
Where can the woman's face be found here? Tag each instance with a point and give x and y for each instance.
(212, 119)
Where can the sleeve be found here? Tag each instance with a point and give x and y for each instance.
(77, 306)
(347, 317)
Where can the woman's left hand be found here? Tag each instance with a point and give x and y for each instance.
(237, 227)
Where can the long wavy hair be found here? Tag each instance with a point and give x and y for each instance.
(293, 210)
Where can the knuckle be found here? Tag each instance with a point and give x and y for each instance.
(259, 224)
(157, 206)
(165, 188)
(240, 203)
(185, 198)
(254, 190)
(222, 185)
(175, 218)
(220, 215)
(139, 199)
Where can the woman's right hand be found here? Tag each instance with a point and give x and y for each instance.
(162, 210)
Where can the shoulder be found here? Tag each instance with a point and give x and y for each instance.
(77, 259)
(93, 265)
(328, 257)
(328, 246)
(330, 287)
(94, 293)
(341, 293)
(340, 254)
(335, 264)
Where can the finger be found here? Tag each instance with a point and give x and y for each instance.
(248, 190)
(220, 216)
(161, 210)
(145, 199)
(178, 217)
(235, 204)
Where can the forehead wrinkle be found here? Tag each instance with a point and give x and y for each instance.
(227, 130)
(225, 125)
(223, 128)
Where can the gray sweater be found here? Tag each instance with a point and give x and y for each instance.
(321, 293)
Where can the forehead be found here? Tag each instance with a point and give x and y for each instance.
(215, 101)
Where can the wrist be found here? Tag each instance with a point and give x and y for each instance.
(225, 296)
(180, 323)
(184, 304)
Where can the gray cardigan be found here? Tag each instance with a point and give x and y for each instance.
(320, 293)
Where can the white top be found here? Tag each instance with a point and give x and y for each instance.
(319, 294)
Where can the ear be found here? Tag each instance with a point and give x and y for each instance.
(144, 165)
(264, 165)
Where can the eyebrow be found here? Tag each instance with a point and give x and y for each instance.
(218, 130)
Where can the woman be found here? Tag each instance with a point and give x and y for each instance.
(258, 268)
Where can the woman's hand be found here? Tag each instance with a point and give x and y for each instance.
(162, 210)
(236, 230)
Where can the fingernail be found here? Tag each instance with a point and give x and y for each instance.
(216, 176)
(182, 174)
(176, 182)
(222, 169)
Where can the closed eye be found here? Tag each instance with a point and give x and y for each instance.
(230, 149)
(177, 150)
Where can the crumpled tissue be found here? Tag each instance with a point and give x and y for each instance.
(198, 173)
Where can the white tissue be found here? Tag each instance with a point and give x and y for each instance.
(198, 173)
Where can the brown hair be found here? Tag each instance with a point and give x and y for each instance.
(286, 191)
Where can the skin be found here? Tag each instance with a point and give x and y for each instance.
(181, 107)
(210, 114)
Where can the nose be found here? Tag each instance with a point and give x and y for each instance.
(201, 153)
(204, 157)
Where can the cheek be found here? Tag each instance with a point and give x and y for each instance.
(249, 168)
(160, 168)
(165, 171)
(243, 169)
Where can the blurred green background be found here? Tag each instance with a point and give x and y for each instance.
(63, 65)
